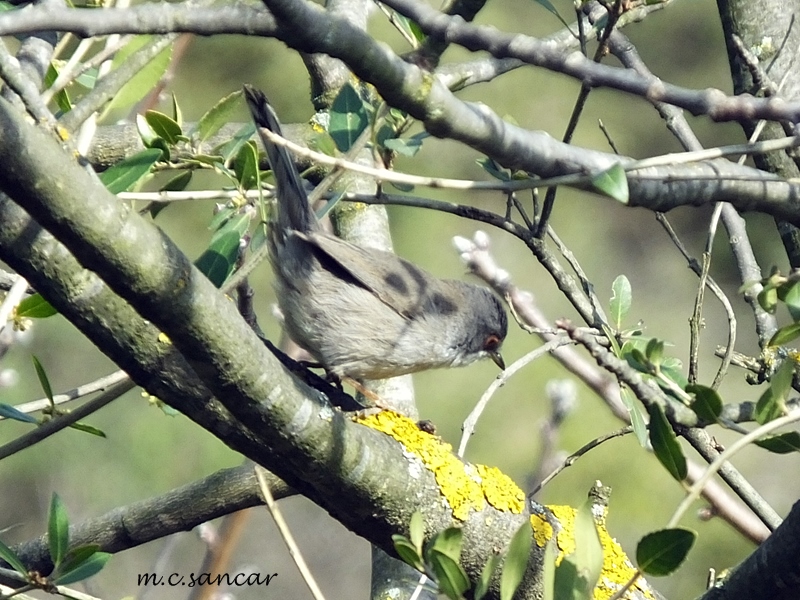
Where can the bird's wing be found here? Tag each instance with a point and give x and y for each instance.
(399, 284)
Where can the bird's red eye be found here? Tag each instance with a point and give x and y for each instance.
(492, 343)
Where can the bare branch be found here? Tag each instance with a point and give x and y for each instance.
(235, 18)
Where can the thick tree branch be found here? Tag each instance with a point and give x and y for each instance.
(181, 509)
(444, 115)
(711, 102)
(359, 475)
(772, 572)
(187, 17)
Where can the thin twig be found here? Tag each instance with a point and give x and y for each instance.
(733, 449)
(704, 445)
(728, 353)
(695, 321)
(588, 288)
(72, 70)
(572, 179)
(7, 592)
(288, 538)
(468, 427)
(97, 385)
(570, 460)
(55, 425)
(612, 17)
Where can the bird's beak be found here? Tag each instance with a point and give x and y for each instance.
(498, 359)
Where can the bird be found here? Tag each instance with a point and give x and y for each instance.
(365, 313)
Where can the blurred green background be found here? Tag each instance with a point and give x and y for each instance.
(147, 453)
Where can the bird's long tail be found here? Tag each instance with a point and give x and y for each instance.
(294, 211)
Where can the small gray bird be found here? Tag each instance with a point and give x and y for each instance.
(365, 313)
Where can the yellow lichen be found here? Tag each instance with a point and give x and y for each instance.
(617, 568)
(500, 490)
(464, 487)
(468, 487)
(542, 532)
(62, 132)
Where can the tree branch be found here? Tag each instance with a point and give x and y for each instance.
(187, 17)
(267, 415)
(181, 509)
(444, 115)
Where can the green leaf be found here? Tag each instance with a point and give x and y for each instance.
(485, 579)
(62, 97)
(637, 360)
(217, 116)
(673, 368)
(124, 175)
(665, 443)
(88, 78)
(492, 168)
(221, 218)
(772, 403)
(789, 294)
(407, 552)
(321, 141)
(57, 530)
(612, 182)
(568, 584)
(785, 335)
(161, 144)
(516, 561)
(417, 530)
(448, 542)
(588, 555)
(783, 443)
(405, 146)
(403, 187)
(452, 579)
(142, 82)
(409, 27)
(92, 565)
(177, 183)
(549, 6)
(621, 299)
(768, 299)
(662, 552)
(707, 403)
(219, 260)
(8, 555)
(654, 351)
(35, 307)
(9, 412)
(349, 118)
(146, 133)
(259, 237)
(43, 380)
(231, 148)
(637, 418)
(75, 558)
(85, 428)
(177, 115)
(245, 165)
(164, 127)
